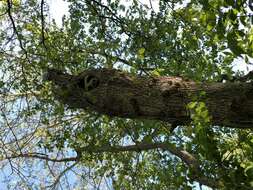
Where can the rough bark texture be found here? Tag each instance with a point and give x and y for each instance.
(116, 93)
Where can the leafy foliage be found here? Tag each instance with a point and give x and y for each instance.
(194, 39)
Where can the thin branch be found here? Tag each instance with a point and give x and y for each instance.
(151, 5)
(106, 8)
(11, 129)
(53, 186)
(112, 15)
(18, 95)
(185, 156)
(42, 24)
(4, 13)
(42, 157)
(9, 6)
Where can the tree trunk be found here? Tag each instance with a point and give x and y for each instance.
(116, 93)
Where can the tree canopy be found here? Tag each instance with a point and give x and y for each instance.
(47, 144)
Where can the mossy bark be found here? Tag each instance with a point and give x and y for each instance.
(160, 98)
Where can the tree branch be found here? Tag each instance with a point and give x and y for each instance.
(185, 156)
(53, 186)
(9, 6)
(42, 157)
(42, 23)
(107, 9)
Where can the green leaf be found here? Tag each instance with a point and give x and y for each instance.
(2, 84)
(192, 105)
(122, 7)
(141, 52)
(233, 44)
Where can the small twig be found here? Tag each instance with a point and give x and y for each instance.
(151, 5)
(4, 13)
(10, 128)
(42, 157)
(106, 8)
(42, 24)
(53, 186)
(9, 6)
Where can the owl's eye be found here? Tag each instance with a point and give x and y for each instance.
(92, 82)
(88, 83)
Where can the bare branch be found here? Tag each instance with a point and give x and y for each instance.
(12, 131)
(53, 186)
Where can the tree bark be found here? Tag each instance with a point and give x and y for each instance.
(116, 93)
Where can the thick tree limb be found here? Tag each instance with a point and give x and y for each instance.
(117, 93)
